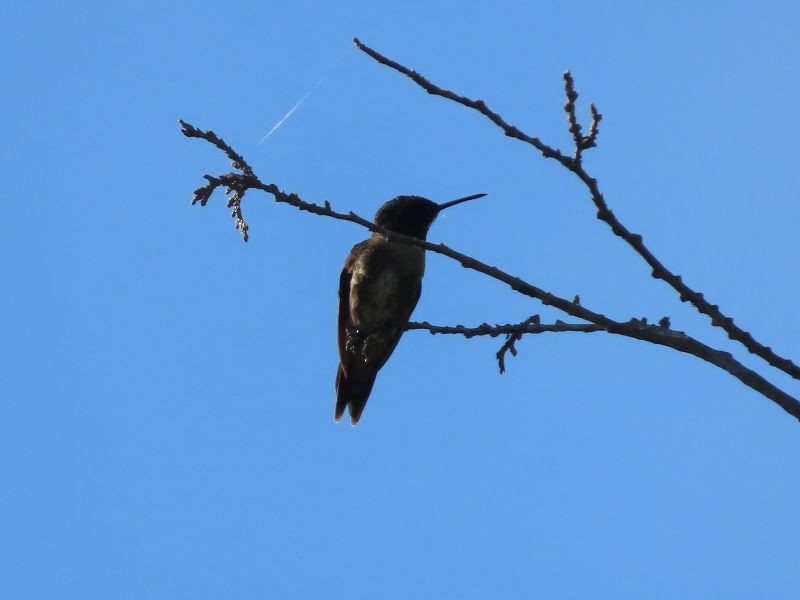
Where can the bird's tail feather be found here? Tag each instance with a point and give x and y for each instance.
(352, 393)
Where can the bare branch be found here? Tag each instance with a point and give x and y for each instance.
(513, 333)
(236, 159)
(637, 329)
(497, 330)
(478, 105)
(635, 240)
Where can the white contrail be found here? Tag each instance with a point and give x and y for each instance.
(303, 99)
(289, 114)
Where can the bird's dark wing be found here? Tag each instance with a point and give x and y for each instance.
(344, 317)
(344, 386)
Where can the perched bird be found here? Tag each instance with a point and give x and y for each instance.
(379, 287)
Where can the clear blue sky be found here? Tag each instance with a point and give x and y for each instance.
(166, 391)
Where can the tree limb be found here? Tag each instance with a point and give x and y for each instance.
(496, 330)
(239, 183)
(513, 333)
(573, 163)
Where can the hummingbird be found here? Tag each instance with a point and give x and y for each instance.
(379, 287)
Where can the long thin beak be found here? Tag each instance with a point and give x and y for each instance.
(459, 201)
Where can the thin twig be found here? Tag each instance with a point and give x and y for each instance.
(238, 162)
(572, 120)
(590, 141)
(513, 332)
(484, 329)
(510, 344)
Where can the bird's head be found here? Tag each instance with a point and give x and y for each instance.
(413, 215)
